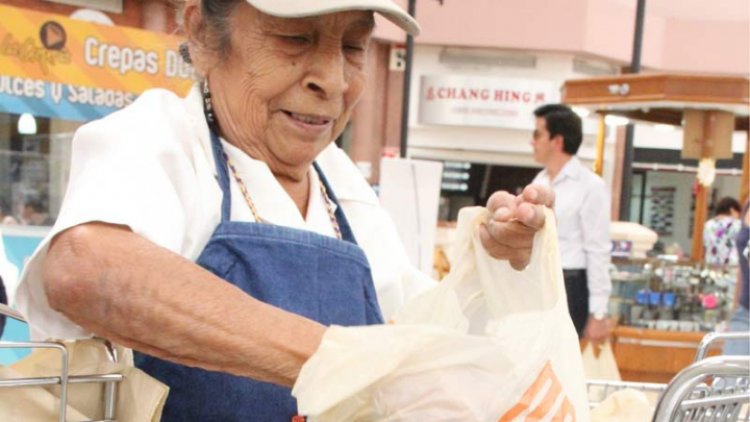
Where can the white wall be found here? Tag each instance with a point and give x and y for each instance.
(651, 136)
(509, 147)
(683, 183)
(727, 186)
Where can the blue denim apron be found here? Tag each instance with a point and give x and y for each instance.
(319, 277)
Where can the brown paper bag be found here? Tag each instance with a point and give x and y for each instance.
(30, 403)
(140, 398)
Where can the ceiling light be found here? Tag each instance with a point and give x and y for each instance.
(581, 112)
(27, 124)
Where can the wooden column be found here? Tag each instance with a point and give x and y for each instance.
(712, 128)
(617, 176)
(701, 196)
(601, 132)
(699, 221)
(745, 181)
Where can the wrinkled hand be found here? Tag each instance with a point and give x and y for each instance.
(515, 219)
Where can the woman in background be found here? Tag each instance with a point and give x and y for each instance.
(719, 234)
(740, 320)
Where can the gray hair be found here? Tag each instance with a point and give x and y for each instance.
(215, 15)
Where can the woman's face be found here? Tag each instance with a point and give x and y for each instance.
(287, 87)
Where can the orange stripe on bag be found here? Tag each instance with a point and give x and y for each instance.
(565, 410)
(545, 377)
(547, 402)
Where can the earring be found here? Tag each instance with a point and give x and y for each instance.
(207, 107)
(185, 53)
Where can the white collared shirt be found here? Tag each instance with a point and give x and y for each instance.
(150, 167)
(582, 208)
(271, 201)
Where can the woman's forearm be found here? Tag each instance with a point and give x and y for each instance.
(123, 287)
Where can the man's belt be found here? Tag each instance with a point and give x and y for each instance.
(579, 272)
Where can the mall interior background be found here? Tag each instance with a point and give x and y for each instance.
(535, 43)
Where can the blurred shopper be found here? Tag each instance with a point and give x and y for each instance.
(6, 217)
(35, 213)
(740, 321)
(720, 232)
(8, 281)
(220, 234)
(582, 210)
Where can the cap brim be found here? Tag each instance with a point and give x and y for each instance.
(305, 8)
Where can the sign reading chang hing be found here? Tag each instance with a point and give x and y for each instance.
(462, 100)
(58, 67)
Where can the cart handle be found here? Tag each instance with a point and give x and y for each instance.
(63, 365)
(109, 347)
(684, 382)
(715, 336)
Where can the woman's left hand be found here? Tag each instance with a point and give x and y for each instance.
(515, 219)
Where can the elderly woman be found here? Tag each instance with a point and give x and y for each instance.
(219, 234)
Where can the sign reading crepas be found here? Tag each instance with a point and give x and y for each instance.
(57, 67)
(461, 100)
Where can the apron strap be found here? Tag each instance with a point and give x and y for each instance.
(346, 231)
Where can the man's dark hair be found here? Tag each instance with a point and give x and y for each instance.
(37, 204)
(562, 120)
(726, 205)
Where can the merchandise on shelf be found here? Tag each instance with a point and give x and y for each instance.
(663, 293)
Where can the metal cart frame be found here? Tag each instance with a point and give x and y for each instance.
(601, 389)
(110, 381)
(710, 389)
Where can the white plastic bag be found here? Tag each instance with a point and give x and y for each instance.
(624, 406)
(602, 367)
(487, 344)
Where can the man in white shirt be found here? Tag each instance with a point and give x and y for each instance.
(582, 207)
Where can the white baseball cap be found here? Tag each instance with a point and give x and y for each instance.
(304, 8)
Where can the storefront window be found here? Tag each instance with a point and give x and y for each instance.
(468, 184)
(34, 164)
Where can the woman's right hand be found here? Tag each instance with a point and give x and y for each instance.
(515, 220)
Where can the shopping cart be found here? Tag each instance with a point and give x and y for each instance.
(63, 380)
(599, 390)
(710, 389)
(710, 339)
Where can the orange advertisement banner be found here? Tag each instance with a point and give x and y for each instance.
(52, 48)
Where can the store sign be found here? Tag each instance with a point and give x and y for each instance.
(462, 100)
(53, 66)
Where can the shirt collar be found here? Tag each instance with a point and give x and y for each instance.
(571, 169)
